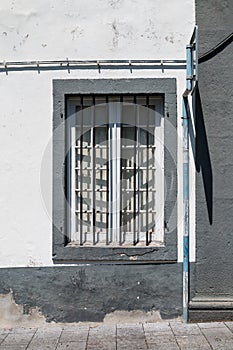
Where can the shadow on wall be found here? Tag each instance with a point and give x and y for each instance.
(202, 154)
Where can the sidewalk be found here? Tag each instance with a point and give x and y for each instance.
(159, 336)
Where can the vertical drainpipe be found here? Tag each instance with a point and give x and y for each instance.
(186, 210)
(189, 76)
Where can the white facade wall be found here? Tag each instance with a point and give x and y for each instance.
(52, 30)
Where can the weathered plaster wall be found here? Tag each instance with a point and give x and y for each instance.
(95, 29)
(37, 30)
(212, 284)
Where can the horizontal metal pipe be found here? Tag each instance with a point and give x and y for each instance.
(89, 62)
(6, 66)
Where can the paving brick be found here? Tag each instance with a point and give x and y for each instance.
(22, 330)
(13, 347)
(165, 346)
(45, 338)
(172, 346)
(211, 325)
(43, 346)
(72, 346)
(220, 338)
(102, 337)
(162, 342)
(18, 338)
(229, 325)
(131, 337)
(153, 330)
(193, 342)
(2, 337)
(184, 328)
(158, 328)
(77, 334)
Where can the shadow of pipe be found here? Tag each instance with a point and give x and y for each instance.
(202, 154)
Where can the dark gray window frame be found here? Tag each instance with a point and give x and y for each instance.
(68, 254)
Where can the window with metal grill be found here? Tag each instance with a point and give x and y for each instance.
(115, 170)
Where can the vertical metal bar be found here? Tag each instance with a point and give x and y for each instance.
(135, 177)
(93, 169)
(114, 115)
(139, 175)
(189, 68)
(81, 175)
(114, 179)
(108, 175)
(100, 207)
(110, 182)
(186, 209)
(147, 172)
(196, 54)
(68, 173)
(73, 159)
(121, 194)
(118, 168)
(110, 133)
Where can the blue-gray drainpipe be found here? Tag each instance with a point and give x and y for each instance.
(189, 77)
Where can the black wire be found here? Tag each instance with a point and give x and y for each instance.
(217, 49)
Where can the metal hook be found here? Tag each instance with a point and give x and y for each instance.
(68, 65)
(98, 65)
(5, 66)
(162, 66)
(130, 66)
(38, 66)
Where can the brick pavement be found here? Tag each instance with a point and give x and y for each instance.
(141, 336)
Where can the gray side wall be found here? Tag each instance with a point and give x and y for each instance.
(212, 280)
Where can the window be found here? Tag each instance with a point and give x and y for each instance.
(115, 170)
(114, 179)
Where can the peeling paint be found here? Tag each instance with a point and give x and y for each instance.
(12, 315)
(134, 257)
(134, 316)
(150, 31)
(116, 34)
(76, 32)
(115, 3)
(24, 38)
(170, 38)
(33, 262)
(121, 30)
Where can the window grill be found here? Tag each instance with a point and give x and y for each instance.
(116, 169)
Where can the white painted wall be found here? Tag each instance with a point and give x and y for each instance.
(56, 29)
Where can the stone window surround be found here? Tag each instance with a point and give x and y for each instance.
(62, 88)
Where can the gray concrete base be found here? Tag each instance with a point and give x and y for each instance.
(204, 309)
(92, 292)
(210, 315)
